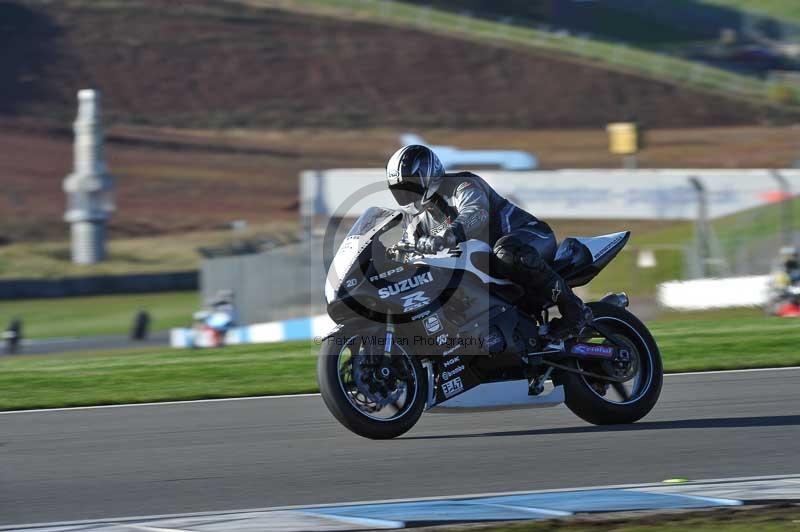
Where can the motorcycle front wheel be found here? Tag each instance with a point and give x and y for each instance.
(374, 394)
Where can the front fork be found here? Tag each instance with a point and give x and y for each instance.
(387, 350)
(426, 364)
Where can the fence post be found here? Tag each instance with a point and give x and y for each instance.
(701, 236)
(787, 214)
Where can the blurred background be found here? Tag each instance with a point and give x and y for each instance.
(182, 202)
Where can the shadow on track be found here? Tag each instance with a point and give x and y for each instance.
(709, 423)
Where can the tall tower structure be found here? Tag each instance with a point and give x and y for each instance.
(89, 188)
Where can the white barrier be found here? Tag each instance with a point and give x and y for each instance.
(701, 294)
(259, 333)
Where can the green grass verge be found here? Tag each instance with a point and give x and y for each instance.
(730, 339)
(609, 55)
(736, 234)
(136, 376)
(784, 10)
(98, 315)
(695, 342)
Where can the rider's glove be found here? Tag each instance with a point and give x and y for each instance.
(430, 244)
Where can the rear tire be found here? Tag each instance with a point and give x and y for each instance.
(587, 403)
(336, 399)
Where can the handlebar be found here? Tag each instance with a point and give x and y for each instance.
(404, 246)
(401, 251)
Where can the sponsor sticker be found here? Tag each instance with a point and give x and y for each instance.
(451, 388)
(597, 350)
(441, 339)
(388, 273)
(432, 324)
(448, 374)
(420, 315)
(440, 228)
(405, 285)
(479, 218)
(452, 350)
(415, 301)
(449, 362)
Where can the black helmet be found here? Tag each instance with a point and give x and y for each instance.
(414, 174)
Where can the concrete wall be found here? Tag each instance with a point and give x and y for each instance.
(287, 282)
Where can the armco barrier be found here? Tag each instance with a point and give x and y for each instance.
(98, 284)
(260, 333)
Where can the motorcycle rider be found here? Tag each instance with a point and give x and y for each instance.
(445, 209)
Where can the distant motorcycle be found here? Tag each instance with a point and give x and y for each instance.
(211, 325)
(418, 332)
(784, 298)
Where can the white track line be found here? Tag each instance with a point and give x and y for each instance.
(715, 372)
(291, 396)
(162, 403)
(126, 520)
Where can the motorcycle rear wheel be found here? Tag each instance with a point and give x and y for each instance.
(587, 397)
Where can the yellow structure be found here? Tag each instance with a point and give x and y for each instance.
(623, 138)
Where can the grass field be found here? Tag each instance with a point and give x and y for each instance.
(785, 10)
(610, 55)
(155, 254)
(689, 342)
(735, 233)
(99, 315)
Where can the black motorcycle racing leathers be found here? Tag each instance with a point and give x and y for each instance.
(466, 207)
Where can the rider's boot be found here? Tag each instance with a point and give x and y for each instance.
(522, 263)
(575, 316)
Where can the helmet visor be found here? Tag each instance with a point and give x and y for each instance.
(407, 191)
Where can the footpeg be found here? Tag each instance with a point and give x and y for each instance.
(536, 386)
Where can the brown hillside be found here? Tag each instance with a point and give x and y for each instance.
(208, 63)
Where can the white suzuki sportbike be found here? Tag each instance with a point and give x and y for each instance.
(418, 332)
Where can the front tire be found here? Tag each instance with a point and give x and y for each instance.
(360, 409)
(586, 397)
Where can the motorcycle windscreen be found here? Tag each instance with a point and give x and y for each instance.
(360, 235)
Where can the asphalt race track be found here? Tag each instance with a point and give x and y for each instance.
(225, 455)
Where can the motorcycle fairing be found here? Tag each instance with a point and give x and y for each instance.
(373, 221)
(579, 259)
(507, 395)
(453, 378)
(465, 258)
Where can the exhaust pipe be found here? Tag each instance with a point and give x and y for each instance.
(618, 300)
